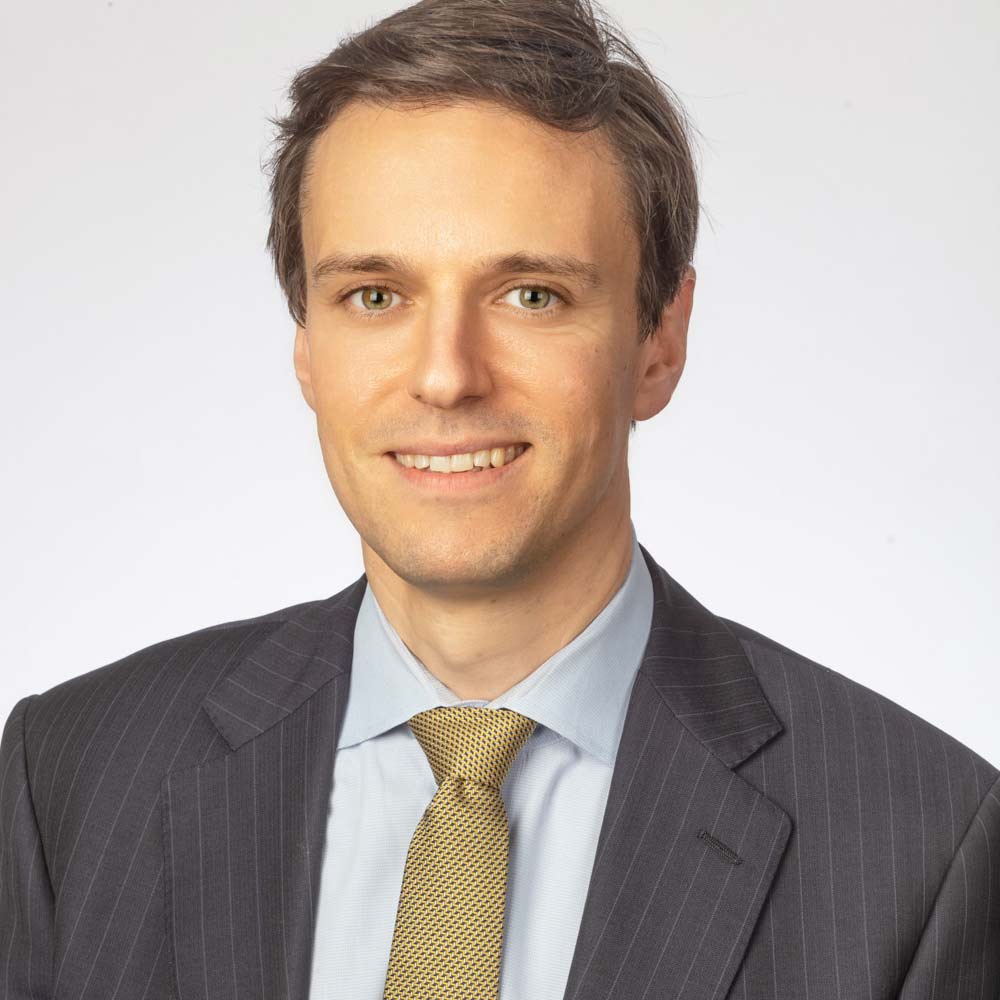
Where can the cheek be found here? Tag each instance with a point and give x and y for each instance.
(343, 382)
(585, 399)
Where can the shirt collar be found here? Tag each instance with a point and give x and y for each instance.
(580, 693)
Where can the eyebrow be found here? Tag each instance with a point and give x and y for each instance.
(564, 264)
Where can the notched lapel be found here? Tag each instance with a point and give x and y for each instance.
(244, 833)
(307, 650)
(668, 912)
(688, 848)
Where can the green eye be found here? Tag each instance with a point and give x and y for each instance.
(369, 291)
(375, 298)
(535, 298)
(533, 292)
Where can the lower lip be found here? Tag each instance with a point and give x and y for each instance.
(460, 483)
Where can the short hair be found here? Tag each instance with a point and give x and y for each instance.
(561, 62)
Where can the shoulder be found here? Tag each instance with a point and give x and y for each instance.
(155, 691)
(850, 739)
(805, 693)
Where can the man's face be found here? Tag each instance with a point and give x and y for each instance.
(451, 349)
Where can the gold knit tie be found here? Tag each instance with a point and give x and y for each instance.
(449, 922)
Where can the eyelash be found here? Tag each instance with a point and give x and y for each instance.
(367, 314)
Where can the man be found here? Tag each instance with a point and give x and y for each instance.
(515, 758)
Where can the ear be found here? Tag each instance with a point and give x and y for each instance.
(303, 366)
(661, 356)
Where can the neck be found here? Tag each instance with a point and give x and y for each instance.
(481, 646)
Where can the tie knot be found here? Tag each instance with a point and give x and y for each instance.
(472, 742)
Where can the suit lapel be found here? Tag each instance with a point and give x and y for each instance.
(688, 848)
(685, 857)
(244, 833)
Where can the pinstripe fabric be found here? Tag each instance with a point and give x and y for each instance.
(773, 829)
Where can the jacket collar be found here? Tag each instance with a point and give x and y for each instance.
(692, 659)
(685, 858)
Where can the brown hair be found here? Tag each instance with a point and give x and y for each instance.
(558, 61)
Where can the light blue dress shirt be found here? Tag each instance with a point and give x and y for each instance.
(555, 794)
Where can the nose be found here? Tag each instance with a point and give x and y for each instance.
(451, 357)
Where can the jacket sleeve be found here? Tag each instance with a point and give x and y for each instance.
(958, 954)
(26, 899)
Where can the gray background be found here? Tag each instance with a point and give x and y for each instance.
(824, 474)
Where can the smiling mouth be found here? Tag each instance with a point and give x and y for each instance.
(472, 462)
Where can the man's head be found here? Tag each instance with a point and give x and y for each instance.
(533, 206)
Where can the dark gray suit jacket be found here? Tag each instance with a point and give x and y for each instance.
(772, 829)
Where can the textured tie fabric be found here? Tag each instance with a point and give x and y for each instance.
(449, 922)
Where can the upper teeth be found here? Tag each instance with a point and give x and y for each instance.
(462, 463)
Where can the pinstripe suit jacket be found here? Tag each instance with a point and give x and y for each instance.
(772, 828)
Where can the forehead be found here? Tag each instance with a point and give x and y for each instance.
(463, 175)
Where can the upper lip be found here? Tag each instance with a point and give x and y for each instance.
(459, 448)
